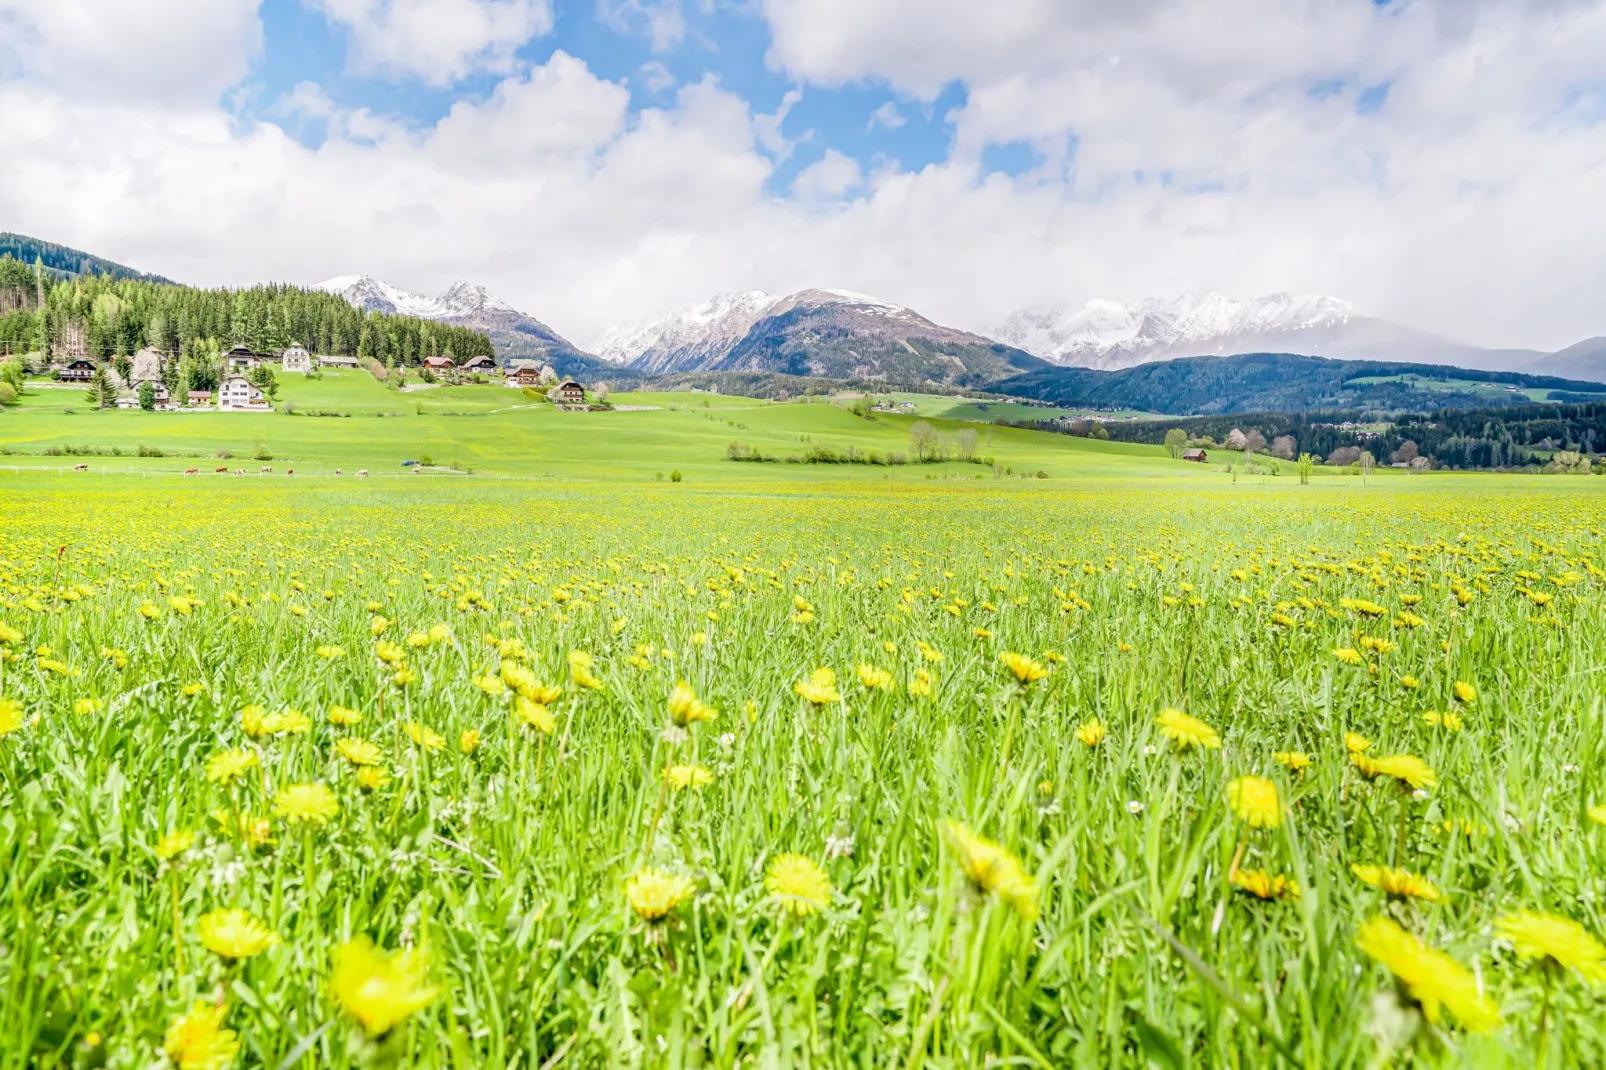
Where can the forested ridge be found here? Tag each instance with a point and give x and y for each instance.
(104, 317)
(61, 260)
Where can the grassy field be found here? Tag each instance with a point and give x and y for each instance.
(789, 765)
(1496, 393)
(347, 420)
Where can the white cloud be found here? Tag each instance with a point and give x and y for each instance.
(888, 116)
(828, 178)
(655, 76)
(1469, 204)
(438, 41)
(662, 20)
(165, 50)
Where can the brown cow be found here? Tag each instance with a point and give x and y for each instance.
(80, 468)
(191, 471)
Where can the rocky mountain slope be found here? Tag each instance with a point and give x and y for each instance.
(817, 332)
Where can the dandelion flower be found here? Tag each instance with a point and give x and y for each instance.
(1026, 670)
(1597, 814)
(235, 934)
(10, 716)
(580, 666)
(687, 776)
(174, 844)
(358, 751)
(331, 653)
(226, 766)
(380, 989)
(344, 716)
(1187, 731)
(1091, 733)
(1547, 938)
(535, 715)
(653, 894)
(819, 687)
(371, 777)
(425, 737)
(685, 708)
(469, 740)
(875, 679)
(311, 803)
(1397, 883)
(1405, 768)
(1263, 885)
(801, 886)
(1464, 693)
(1296, 761)
(1356, 743)
(1433, 979)
(198, 1041)
(991, 868)
(1254, 801)
(1348, 655)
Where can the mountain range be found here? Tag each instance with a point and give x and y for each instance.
(815, 332)
(514, 334)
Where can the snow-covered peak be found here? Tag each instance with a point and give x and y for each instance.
(459, 300)
(1109, 334)
(722, 319)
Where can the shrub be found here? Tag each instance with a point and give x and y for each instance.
(8, 394)
(674, 477)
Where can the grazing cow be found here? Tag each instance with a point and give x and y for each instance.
(289, 471)
(239, 471)
(266, 469)
(80, 468)
(337, 471)
(222, 468)
(192, 471)
(362, 473)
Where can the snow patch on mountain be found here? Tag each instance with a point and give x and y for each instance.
(718, 323)
(460, 300)
(1109, 334)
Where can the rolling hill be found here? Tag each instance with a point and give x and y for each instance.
(64, 262)
(1285, 382)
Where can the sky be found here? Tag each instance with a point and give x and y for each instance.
(1441, 163)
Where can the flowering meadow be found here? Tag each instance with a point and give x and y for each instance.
(825, 775)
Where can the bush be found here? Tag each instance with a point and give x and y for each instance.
(143, 450)
(8, 394)
(674, 477)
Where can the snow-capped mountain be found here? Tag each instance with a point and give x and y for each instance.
(818, 332)
(514, 334)
(684, 337)
(1111, 335)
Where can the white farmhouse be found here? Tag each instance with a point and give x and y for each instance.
(297, 359)
(238, 395)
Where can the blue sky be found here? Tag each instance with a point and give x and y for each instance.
(865, 119)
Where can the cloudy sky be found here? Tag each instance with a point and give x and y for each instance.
(1438, 162)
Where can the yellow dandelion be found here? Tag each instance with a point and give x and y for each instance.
(1254, 802)
(687, 776)
(1547, 938)
(174, 844)
(425, 737)
(371, 777)
(198, 1041)
(875, 679)
(1294, 760)
(1091, 732)
(1407, 769)
(1348, 655)
(1026, 670)
(1263, 885)
(991, 868)
(1187, 731)
(535, 715)
(468, 742)
(235, 934)
(313, 804)
(1464, 693)
(819, 687)
(1433, 979)
(653, 894)
(380, 989)
(801, 887)
(358, 751)
(1397, 883)
(1355, 743)
(226, 766)
(1597, 814)
(11, 717)
(344, 716)
(685, 708)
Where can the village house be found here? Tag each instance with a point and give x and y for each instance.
(198, 399)
(296, 358)
(336, 362)
(240, 358)
(521, 373)
(439, 364)
(78, 371)
(568, 392)
(482, 365)
(237, 394)
(1195, 455)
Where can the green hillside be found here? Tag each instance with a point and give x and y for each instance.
(66, 262)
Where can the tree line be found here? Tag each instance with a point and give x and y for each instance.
(103, 318)
(1505, 437)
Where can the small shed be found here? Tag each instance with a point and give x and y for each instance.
(569, 392)
(1195, 455)
(336, 362)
